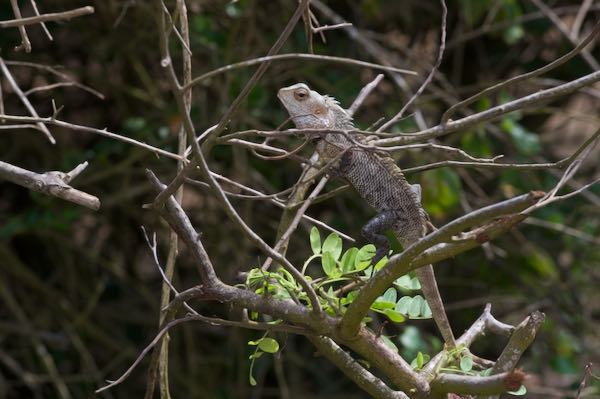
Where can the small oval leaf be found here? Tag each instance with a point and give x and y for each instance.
(414, 309)
(403, 304)
(348, 260)
(333, 244)
(394, 316)
(328, 264)
(268, 345)
(403, 282)
(315, 240)
(466, 363)
(519, 392)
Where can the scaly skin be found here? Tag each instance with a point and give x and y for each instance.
(377, 179)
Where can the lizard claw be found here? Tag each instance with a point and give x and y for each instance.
(380, 253)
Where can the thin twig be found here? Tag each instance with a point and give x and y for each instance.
(25, 43)
(364, 93)
(494, 112)
(283, 239)
(44, 27)
(56, 72)
(87, 129)
(294, 56)
(546, 68)
(580, 17)
(13, 83)
(56, 16)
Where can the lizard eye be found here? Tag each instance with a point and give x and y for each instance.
(300, 95)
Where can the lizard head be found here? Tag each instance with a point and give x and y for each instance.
(307, 108)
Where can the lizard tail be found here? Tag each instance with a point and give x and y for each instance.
(430, 290)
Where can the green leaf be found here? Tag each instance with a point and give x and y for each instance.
(415, 284)
(519, 392)
(348, 259)
(252, 380)
(466, 363)
(315, 240)
(420, 360)
(333, 244)
(414, 309)
(390, 295)
(364, 256)
(403, 304)
(386, 301)
(404, 282)
(268, 345)
(408, 283)
(329, 265)
(394, 316)
(426, 312)
(381, 305)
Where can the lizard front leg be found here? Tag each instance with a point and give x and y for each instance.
(373, 231)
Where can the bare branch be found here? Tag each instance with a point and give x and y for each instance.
(546, 68)
(494, 112)
(283, 239)
(473, 385)
(55, 184)
(25, 43)
(44, 27)
(87, 129)
(521, 338)
(364, 93)
(56, 16)
(400, 264)
(353, 370)
(11, 80)
(294, 56)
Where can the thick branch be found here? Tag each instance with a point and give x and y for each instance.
(474, 385)
(366, 344)
(353, 370)
(400, 264)
(520, 340)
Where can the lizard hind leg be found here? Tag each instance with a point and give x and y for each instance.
(374, 230)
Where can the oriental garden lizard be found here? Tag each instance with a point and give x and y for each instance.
(377, 179)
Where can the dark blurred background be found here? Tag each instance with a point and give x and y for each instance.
(79, 293)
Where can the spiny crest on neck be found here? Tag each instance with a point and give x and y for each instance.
(341, 118)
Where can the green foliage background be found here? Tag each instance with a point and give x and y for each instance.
(82, 286)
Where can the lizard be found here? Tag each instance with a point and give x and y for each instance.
(376, 178)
